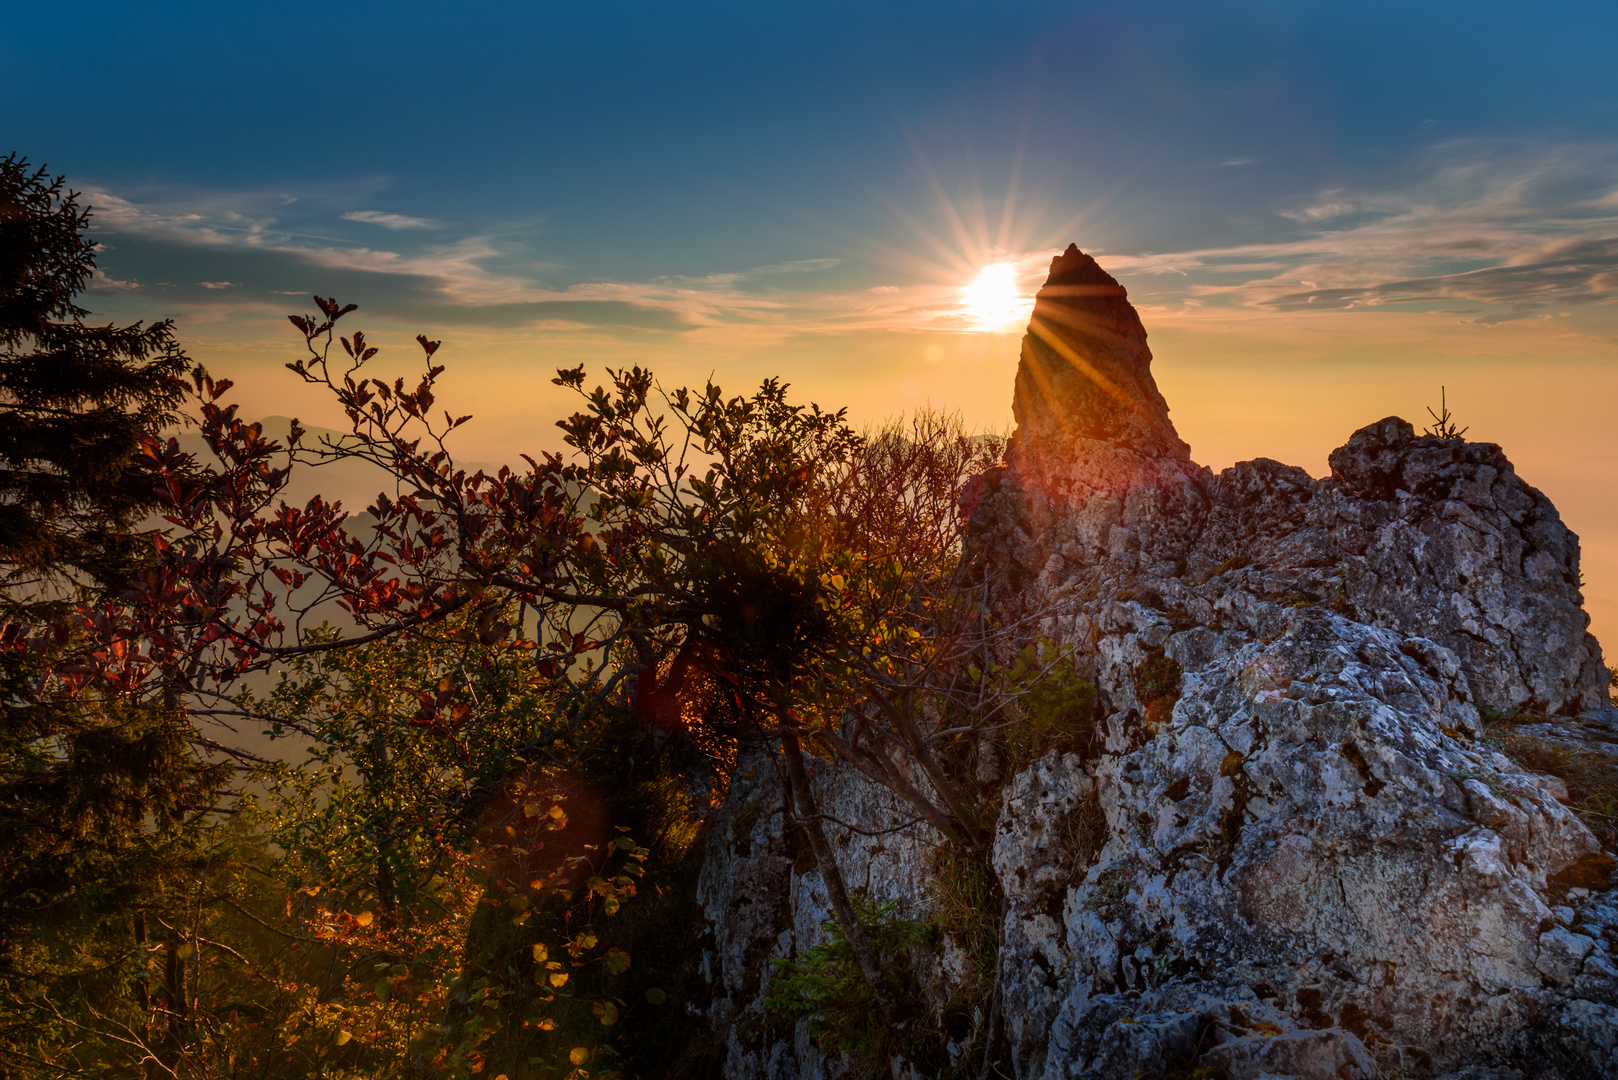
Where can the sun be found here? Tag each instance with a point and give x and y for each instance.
(993, 300)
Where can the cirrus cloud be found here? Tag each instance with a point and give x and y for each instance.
(392, 221)
(1491, 230)
(1516, 227)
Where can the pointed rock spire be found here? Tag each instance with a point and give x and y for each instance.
(1085, 373)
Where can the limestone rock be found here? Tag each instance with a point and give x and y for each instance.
(764, 900)
(1085, 373)
(1561, 955)
(1331, 1054)
(1300, 853)
(745, 891)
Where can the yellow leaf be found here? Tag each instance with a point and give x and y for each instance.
(578, 1055)
(530, 809)
(363, 918)
(558, 979)
(587, 940)
(342, 1038)
(540, 953)
(606, 1012)
(558, 813)
(184, 952)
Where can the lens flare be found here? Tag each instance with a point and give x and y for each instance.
(994, 301)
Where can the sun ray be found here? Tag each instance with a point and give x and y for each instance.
(946, 205)
(1090, 209)
(956, 261)
(974, 269)
(1072, 356)
(1008, 207)
(977, 208)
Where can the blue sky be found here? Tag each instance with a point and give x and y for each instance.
(465, 161)
(1324, 211)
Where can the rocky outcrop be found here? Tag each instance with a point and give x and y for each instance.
(1430, 537)
(1085, 379)
(1307, 857)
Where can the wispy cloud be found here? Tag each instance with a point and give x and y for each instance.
(796, 266)
(1519, 226)
(203, 219)
(1494, 231)
(1581, 271)
(485, 271)
(391, 221)
(102, 281)
(1324, 211)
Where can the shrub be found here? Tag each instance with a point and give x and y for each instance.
(1056, 712)
(823, 986)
